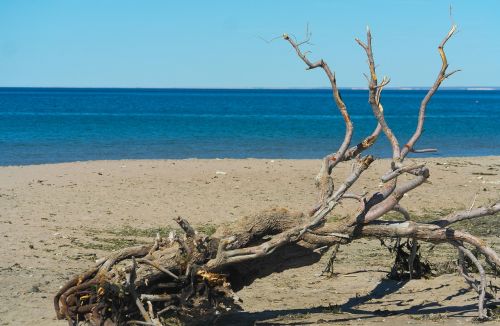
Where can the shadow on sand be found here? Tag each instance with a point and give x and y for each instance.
(348, 311)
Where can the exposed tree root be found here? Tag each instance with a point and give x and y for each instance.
(408, 262)
(174, 281)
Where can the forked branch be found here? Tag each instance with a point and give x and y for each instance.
(442, 75)
(375, 91)
(324, 180)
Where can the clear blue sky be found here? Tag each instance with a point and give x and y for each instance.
(104, 43)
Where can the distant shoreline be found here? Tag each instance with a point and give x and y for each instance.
(228, 159)
(402, 88)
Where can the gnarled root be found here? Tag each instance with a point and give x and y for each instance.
(149, 284)
(189, 278)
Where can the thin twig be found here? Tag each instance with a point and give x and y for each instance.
(473, 202)
(158, 267)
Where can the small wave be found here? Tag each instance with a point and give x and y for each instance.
(239, 116)
(481, 89)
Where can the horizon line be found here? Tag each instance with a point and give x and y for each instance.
(479, 88)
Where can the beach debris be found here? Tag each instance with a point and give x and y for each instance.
(191, 276)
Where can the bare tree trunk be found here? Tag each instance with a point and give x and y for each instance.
(193, 277)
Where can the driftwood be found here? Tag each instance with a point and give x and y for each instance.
(194, 277)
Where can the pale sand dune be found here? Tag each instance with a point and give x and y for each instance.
(54, 217)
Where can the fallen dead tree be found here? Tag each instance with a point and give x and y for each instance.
(191, 277)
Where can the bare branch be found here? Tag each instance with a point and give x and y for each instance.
(353, 196)
(158, 267)
(400, 209)
(462, 270)
(354, 151)
(131, 287)
(374, 95)
(420, 231)
(188, 229)
(126, 253)
(468, 214)
(156, 297)
(425, 150)
(336, 96)
(482, 283)
(271, 40)
(391, 201)
(395, 173)
(323, 179)
(226, 257)
(423, 106)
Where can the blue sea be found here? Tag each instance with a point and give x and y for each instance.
(44, 125)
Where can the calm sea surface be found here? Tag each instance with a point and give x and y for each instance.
(60, 125)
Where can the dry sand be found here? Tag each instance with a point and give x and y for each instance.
(56, 219)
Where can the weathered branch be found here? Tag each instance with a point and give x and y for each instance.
(131, 287)
(158, 267)
(424, 231)
(397, 172)
(372, 212)
(336, 96)
(481, 289)
(468, 214)
(424, 150)
(400, 209)
(226, 257)
(185, 226)
(374, 95)
(366, 143)
(442, 75)
(324, 180)
(462, 270)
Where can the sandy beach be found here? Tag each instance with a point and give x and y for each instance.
(56, 219)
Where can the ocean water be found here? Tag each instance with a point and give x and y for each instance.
(61, 125)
